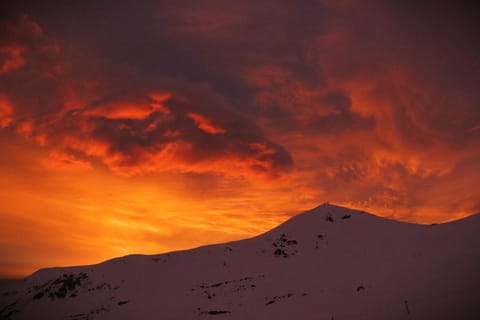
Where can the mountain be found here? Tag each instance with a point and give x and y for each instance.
(326, 263)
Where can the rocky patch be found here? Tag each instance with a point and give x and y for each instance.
(215, 312)
(274, 299)
(7, 311)
(60, 288)
(283, 246)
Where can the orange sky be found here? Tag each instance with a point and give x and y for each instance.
(145, 128)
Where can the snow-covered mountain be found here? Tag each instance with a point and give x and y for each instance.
(326, 263)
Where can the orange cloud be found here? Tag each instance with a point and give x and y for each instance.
(159, 99)
(262, 148)
(13, 58)
(25, 128)
(205, 124)
(125, 110)
(63, 161)
(6, 111)
(138, 109)
(12, 50)
(132, 138)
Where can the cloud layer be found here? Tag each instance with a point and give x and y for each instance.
(132, 124)
(378, 90)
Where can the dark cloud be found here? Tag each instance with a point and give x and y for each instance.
(133, 122)
(342, 123)
(340, 119)
(340, 101)
(134, 136)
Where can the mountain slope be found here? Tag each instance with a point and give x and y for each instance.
(327, 263)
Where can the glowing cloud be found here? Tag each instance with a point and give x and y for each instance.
(13, 58)
(6, 111)
(205, 124)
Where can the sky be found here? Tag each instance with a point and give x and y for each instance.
(152, 126)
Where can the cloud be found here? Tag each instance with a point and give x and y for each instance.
(377, 96)
(205, 124)
(340, 119)
(154, 126)
(13, 50)
(13, 58)
(138, 134)
(58, 160)
(6, 111)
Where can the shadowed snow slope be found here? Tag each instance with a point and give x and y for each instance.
(327, 263)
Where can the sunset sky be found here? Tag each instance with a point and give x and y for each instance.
(151, 126)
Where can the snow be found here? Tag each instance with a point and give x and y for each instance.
(326, 263)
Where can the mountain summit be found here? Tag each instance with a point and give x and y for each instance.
(326, 263)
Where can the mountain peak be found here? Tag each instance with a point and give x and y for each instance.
(328, 215)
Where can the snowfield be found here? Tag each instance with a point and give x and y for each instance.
(326, 263)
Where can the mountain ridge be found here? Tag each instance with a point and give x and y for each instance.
(327, 262)
(297, 216)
